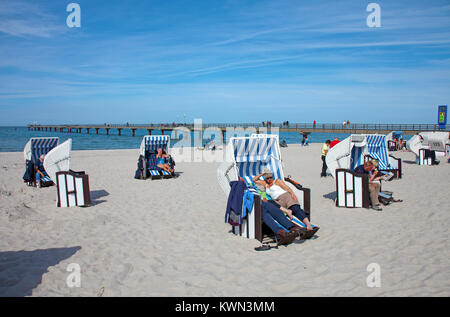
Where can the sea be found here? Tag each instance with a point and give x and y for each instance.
(13, 139)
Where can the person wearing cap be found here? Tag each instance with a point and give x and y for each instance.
(283, 197)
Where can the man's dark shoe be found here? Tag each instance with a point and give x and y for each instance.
(299, 231)
(285, 238)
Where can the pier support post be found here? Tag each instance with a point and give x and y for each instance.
(119, 131)
(96, 130)
(107, 131)
(87, 130)
(149, 131)
(133, 132)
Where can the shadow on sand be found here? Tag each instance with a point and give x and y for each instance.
(22, 271)
(331, 196)
(96, 195)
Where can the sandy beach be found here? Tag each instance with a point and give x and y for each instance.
(168, 237)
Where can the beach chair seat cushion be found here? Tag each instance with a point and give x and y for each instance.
(152, 166)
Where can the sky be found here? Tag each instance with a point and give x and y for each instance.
(223, 61)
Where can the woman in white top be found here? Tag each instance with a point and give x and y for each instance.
(283, 195)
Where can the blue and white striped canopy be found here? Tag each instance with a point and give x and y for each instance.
(376, 146)
(41, 146)
(154, 142)
(253, 154)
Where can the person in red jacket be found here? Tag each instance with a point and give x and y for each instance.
(334, 142)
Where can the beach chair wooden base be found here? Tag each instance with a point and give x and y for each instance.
(423, 159)
(73, 189)
(352, 190)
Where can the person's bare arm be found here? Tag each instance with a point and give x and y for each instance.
(374, 177)
(257, 180)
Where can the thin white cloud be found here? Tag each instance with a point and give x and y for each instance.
(22, 19)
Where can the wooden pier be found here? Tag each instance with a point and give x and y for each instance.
(301, 128)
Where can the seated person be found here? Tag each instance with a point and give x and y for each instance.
(161, 159)
(40, 175)
(371, 168)
(396, 144)
(284, 197)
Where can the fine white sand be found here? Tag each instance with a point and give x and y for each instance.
(168, 237)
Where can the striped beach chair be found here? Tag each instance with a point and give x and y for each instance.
(377, 148)
(149, 146)
(246, 157)
(352, 190)
(34, 148)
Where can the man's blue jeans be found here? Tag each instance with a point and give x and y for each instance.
(270, 212)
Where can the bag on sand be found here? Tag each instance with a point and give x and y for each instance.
(384, 198)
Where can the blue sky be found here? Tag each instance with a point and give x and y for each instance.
(223, 61)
